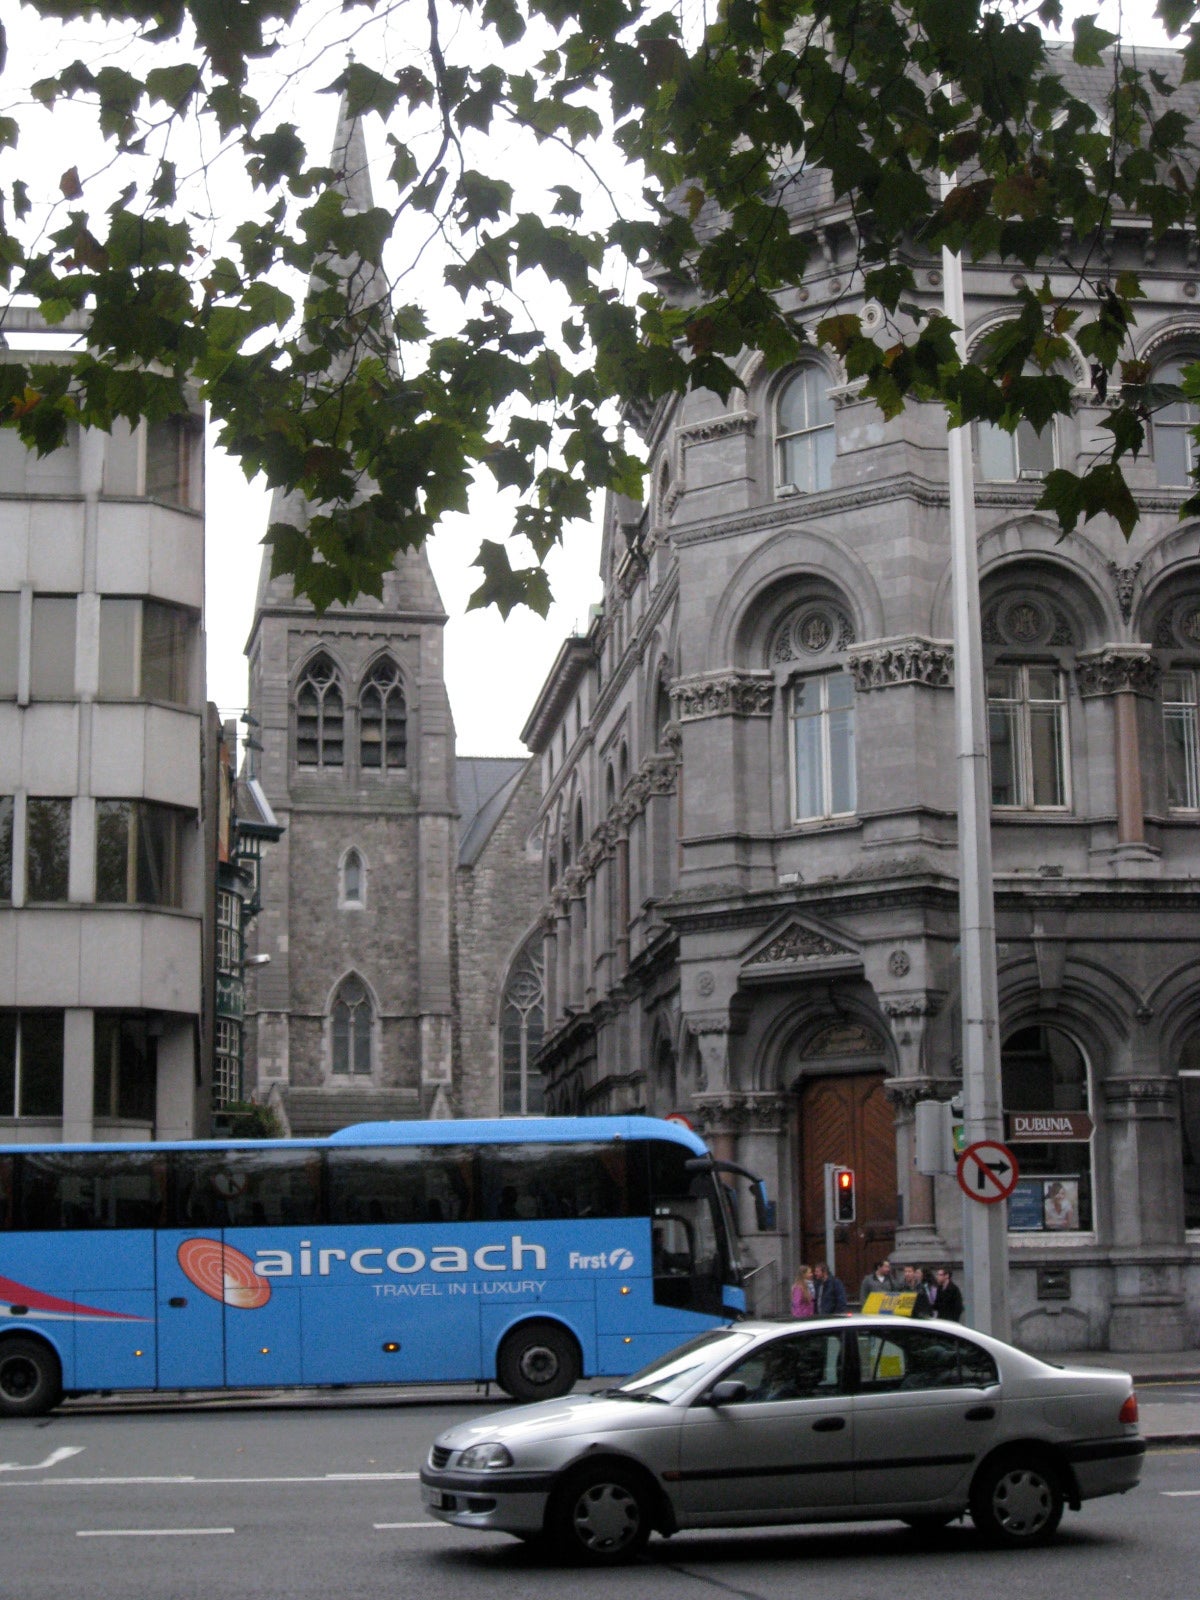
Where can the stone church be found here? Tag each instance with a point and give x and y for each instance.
(390, 972)
(749, 810)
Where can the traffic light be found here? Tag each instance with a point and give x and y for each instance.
(843, 1194)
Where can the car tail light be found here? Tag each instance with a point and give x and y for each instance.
(1129, 1411)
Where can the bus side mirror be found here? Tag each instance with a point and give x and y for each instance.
(726, 1393)
(764, 1209)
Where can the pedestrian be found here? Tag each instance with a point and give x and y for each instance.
(914, 1284)
(829, 1293)
(802, 1292)
(878, 1281)
(946, 1297)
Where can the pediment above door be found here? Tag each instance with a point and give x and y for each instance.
(794, 947)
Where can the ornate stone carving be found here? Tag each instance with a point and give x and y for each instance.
(726, 427)
(1180, 626)
(736, 694)
(1025, 620)
(842, 1039)
(904, 1093)
(741, 1113)
(899, 963)
(1139, 1090)
(1124, 579)
(798, 944)
(812, 630)
(904, 661)
(926, 1004)
(1112, 671)
(705, 983)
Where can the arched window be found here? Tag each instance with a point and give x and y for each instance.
(319, 715)
(1174, 446)
(351, 1032)
(1009, 457)
(806, 654)
(383, 726)
(522, 1023)
(1028, 726)
(1045, 1090)
(804, 441)
(354, 880)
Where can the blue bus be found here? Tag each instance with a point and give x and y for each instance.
(528, 1253)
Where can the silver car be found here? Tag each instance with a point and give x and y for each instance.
(863, 1418)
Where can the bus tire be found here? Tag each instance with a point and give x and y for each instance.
(30, 1378)
(538, 1361)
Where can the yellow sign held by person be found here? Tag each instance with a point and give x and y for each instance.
(879, 1304)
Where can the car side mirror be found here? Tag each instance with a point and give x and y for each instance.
(728, 1392)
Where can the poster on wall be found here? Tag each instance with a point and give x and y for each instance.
(1062, 1203)
(1025, 1206)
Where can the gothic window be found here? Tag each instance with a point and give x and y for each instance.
(319, 716)
(822, 739)
(1181, 709)
(1174, 446)
(522, 1022)
(352, 1030)
(383, 725)
(804, 441)
(1027, 733)
(354, 880)
(1043, 1073)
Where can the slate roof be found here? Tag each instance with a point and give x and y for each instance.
(485, 786)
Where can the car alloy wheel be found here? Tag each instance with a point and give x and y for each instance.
(1018, 1501)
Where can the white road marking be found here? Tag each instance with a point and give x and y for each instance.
(326, 1477)
(63, 1453)
(144, 1533)
(1180, 1494)
(384, 1526)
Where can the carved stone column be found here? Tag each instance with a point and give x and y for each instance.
(1123, 673)
(1145, 1205)
(916, 1236)
(751, 1129)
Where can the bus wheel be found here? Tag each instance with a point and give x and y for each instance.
(30, 1378)
(538, 1361)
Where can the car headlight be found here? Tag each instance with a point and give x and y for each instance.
(481, 1456)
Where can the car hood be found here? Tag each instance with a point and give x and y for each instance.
(553, 1419)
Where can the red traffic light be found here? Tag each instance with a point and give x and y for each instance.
(843, 1194)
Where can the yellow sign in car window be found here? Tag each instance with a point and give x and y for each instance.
(890, 1305)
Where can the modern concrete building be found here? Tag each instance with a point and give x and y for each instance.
(749, 811)
(102, 888)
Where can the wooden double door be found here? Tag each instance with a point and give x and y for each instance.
(846, 1119)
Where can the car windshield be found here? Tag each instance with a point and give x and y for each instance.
(668, 1377)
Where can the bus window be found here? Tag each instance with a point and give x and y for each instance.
(109, 1189)
(247, 1188)
(543, 1181)
(401, 1183)
(7, 1164)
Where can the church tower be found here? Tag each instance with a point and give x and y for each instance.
(350, 1005)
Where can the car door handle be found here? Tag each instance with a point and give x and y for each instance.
(829, 1424)
(980, 1414)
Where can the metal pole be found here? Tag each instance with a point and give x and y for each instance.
(829, 1240)
(985, 1227)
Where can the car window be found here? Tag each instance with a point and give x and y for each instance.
(796, 1368)
(920, 1358)
(671, 1374)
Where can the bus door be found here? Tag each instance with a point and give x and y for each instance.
(191, 1310)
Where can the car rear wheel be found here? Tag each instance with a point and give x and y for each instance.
(30, 1378)
(538, 1361)
(601, 1515)
(1017, 1500)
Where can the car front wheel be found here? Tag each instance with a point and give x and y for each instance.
(1017, 1500)
(601, 1515)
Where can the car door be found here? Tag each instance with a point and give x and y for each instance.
(927, 1407)
(780, 1451)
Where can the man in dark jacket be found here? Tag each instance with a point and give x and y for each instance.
(829, 1294)
(945, 1297)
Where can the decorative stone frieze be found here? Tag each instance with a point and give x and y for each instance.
(732, 694)
(900, 662)
(797, 944)
(906, 1093)
(1025, 620)
(926, 1004)
(1114, 670)
(814, 629)
(1139, 1091)
(726, 427)
(1124, 579)
(742, 1113)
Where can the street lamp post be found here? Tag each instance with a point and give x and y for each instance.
(985, 1227)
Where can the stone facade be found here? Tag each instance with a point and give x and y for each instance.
(749, 826)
